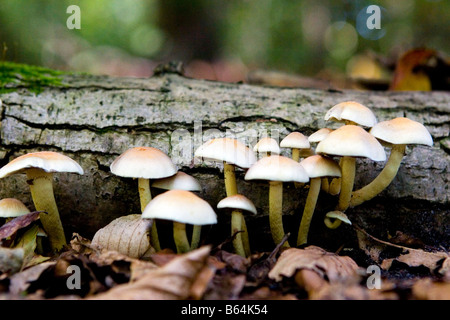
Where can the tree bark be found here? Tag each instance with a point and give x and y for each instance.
(93, 119)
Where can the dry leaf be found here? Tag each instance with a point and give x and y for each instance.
(350, 291)
(11, 260)
(173, 281)
(328, 265)
(128, 235)
(21, 281)
(417, 258)
(11, 227)
(426, 289)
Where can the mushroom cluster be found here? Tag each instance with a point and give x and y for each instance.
(313, 160)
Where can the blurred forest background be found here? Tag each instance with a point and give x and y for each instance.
(219, 40)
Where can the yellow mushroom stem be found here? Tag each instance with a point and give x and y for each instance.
(145, 197)
(196, 232)
(41, 187)
(383, 180)
(231, 190)
(276, 212)
(180, 237)
(296, 154)
(236, 229)
(308, 211)
(325, 185)
(347, 181)
(335, 184)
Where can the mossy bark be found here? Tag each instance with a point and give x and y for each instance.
(94, 119)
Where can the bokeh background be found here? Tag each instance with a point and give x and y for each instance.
(218, 40)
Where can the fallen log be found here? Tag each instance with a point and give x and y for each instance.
(93, 119)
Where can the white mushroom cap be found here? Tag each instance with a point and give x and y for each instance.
(229, 150)
(181, 206)
(10, 207)
(352, 111)
(319, 135)
(295, 140)
(319, 166)
(352, 141)
(267, 145)
(179, 181)
(277, 168)
(46, 160)
(143, 162)
(237, 201)
(402, 131)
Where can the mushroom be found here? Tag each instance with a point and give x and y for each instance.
(334, 218)
(39, 167)
(12, 208)
(238, 203)
(350, 142)
(316, 167)
(144, 163)
(397, 133)
(267, 146)
(231, 153)
(334, 187)
(182, 181)
(277, 169)
(181, 207)
(351, 112)
(299, 145)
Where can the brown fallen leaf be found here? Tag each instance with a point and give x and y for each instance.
(427, 289)
(412, 257)
(128, 235)
(20, 282)
(173, 281)
(328, 265)
(11, 227)
(350, 291)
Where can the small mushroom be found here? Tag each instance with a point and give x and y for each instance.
(267, 146)
(333, 219)
(182, 181)
(277, 169)
(351, 112)
(299, 145)
(12, 208)
(398, 133)
(334, 187)
(232, 153)
(144, 163)
(238, 203)
(181, 207)
(350, 142)
(39, 167)
(316, 167)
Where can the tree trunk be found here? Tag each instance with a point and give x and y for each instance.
(93, 119)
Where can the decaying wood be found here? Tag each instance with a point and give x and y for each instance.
(93, 119)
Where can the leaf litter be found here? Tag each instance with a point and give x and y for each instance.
(208, 273)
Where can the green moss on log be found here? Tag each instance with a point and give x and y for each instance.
(35, 79)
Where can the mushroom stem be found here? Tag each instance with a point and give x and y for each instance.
(276, 212)
(41, 187)
(296, 154)
(236, 229)
(145, 197)
(325, 185)
(335, 184)
(230, 179)
(196, 232)
(383, 180)
(308, 211)
(180, 237)
(231, 190)
(347, 181)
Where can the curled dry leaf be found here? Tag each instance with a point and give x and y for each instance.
(177, 280)
(11, 227)
(328, 265)
(128, 235)
(417, 258)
